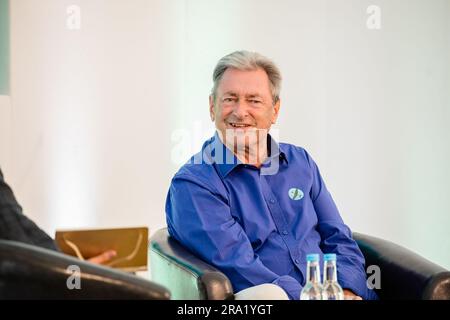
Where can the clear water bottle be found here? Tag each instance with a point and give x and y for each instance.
(331, 288)
(313, 288)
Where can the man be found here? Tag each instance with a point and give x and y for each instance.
(14, 225)
(257, 216)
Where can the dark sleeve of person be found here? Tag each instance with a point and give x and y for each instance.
(14, 225)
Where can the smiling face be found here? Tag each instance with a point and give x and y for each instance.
(243, 102)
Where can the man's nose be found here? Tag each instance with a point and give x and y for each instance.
(240, 110)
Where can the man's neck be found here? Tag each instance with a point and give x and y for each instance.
(251, 149)
(252, 156)
(253, 153)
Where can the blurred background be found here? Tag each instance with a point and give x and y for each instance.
(101, 101)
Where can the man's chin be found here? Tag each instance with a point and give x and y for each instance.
(241, 129)
(233, 131)
(243, 139)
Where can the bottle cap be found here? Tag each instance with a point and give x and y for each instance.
(329, 257)
(312, 257)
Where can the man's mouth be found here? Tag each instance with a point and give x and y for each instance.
(239, 125)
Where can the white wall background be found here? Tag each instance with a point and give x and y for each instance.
(90, 132)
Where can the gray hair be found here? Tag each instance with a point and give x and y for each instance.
(246, 60)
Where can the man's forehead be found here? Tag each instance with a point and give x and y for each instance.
(245, 72)
(236, 80)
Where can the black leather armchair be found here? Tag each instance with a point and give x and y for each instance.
(31, 272)
(404, 274)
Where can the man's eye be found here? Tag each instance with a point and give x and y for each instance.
(228, 99)
(255, 101)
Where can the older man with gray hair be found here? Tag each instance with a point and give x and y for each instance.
(252, 207)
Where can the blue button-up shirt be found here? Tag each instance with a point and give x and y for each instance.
(258, 228)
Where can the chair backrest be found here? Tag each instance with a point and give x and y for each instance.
(186, 276)
(31, 272)
(404, 274)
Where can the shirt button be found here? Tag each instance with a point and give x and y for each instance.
(297, 261)
(272, 201)
(285, 232)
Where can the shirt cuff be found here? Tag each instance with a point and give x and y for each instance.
(357, 283)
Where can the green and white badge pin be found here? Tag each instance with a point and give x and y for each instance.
(295, 193)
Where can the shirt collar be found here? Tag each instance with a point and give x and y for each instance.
(226, 161)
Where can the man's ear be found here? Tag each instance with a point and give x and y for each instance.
(276, 110)
(211, 108)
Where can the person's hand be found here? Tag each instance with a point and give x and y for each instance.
(104, 257)
(349, 295)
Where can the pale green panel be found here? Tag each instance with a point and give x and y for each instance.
(182, 282)
(4, 46)
(427, 215)
(426, 170)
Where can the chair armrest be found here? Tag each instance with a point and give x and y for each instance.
(404, 274)
(186, 276)
(31, 272)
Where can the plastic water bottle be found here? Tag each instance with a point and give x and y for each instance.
(331, 288)
(313, 288)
